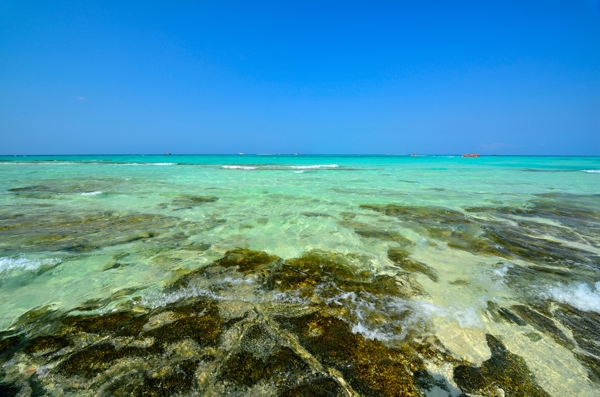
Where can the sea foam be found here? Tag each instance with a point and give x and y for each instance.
(579, 295)
(310, 167)
(239, 167)
(22, 263)
(592, 171)
(91, 193)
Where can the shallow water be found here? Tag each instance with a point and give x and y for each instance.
(435, 275)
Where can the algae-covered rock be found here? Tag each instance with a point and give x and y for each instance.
(199, 321)
(46, 344)
(245, 260)
(381, 234)
(543, 324)
(63, 231)
(202, 338)
(8, 346)
(371, 368)
(400, 258)
(492, 231)
(504, 370)
(426, 215)
(585, 328)
(188, 201)
(318, 387)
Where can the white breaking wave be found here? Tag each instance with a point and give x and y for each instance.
(91, 193)
(21, 263)
(309, 167)
(145, 163)
(592, 171)
(579, 295)
(239, 167)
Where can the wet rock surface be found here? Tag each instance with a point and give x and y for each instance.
(324, 323)
(503, 374)
(314, 325)
(540, 233)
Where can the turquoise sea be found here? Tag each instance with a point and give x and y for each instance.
(299, 275)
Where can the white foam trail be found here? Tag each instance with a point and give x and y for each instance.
(21, 263)
(579, 295)
(157, 299)
(592, 171)
(239, 167)
(91, 193)
(154, 164)
(309, 167)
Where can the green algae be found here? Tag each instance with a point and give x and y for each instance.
(504, 370)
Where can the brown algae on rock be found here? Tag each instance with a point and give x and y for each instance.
(319, 324)
(504, 373)
(400, 258)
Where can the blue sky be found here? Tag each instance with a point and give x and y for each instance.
(510, 77)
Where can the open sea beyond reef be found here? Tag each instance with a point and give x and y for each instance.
(299, 276)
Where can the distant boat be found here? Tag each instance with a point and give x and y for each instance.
(241, 153)
(168, 154)
(471, 155)
(414, 155)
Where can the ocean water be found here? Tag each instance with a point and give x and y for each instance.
(435, 275)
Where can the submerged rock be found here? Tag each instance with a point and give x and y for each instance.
(188, 201)
(318, 325)
(62, 231)
(504, 373)
(492, 231)
(400, 258)
(369, 367)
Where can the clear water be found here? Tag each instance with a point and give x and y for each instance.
(52, 254)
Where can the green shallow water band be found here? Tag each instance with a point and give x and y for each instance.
(299, 276)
